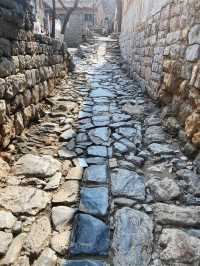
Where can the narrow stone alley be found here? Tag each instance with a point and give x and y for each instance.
(98, 181)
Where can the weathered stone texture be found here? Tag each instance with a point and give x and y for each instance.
(29, 67)
(160, 42)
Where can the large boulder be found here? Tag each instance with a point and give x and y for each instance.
(178, 248)
(40, 166)
(22, 200)
(163, 189)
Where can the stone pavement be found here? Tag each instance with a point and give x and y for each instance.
(99, 181)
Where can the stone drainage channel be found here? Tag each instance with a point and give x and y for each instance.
(98, 181)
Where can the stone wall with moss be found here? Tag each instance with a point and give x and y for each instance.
(29, 67)
(160, 43)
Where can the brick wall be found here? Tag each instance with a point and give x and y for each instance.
(160, 42)
(29, 67)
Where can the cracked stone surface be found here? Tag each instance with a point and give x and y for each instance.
(19, 200)
(99, 181)
(133, 238)
(96, 173)
(91, 236)
(127, 183)
(94, 200)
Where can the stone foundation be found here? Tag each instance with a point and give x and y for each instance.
(160, 41)
(29, 67)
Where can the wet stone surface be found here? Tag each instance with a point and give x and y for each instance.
(133, 238)
(91, 236)
(94, 200)
(97, 173)
(99, 181)
(127, 183)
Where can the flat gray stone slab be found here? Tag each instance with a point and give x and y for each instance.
(94, 200)
(128, 132)
(86, 126)
(101, 100)
(158, 149)
(101, 120)
(168, 214)
(99, 151)
(122, 124)
(100, 108)
(84, 263)
(154, 134)
(132, 239)
(121, 148)
(83, 114)
(96, 173)
(90, 236)
(128, 143)
(64, 153)
(128, 184)
(99, 135)
(96, 160)
(101, 93)
(68, 134)
(120, 117)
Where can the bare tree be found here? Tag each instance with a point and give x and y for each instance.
(119, 15)
(53, 33)
(69, 11)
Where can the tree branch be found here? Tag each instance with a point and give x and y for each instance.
(69, 12)
(53, 19)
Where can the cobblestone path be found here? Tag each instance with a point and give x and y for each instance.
(98, 181)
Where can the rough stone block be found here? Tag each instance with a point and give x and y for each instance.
(2, 88)
(194, 35)
(193, 53)
(7, 67)
(19, 123)
(5, 47)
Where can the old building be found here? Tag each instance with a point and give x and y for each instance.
(81, 21)
(160, 42)
(105, 14)
(118, 15)
(43, 10)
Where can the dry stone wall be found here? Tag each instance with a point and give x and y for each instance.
(160, 41)
(29, 67)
